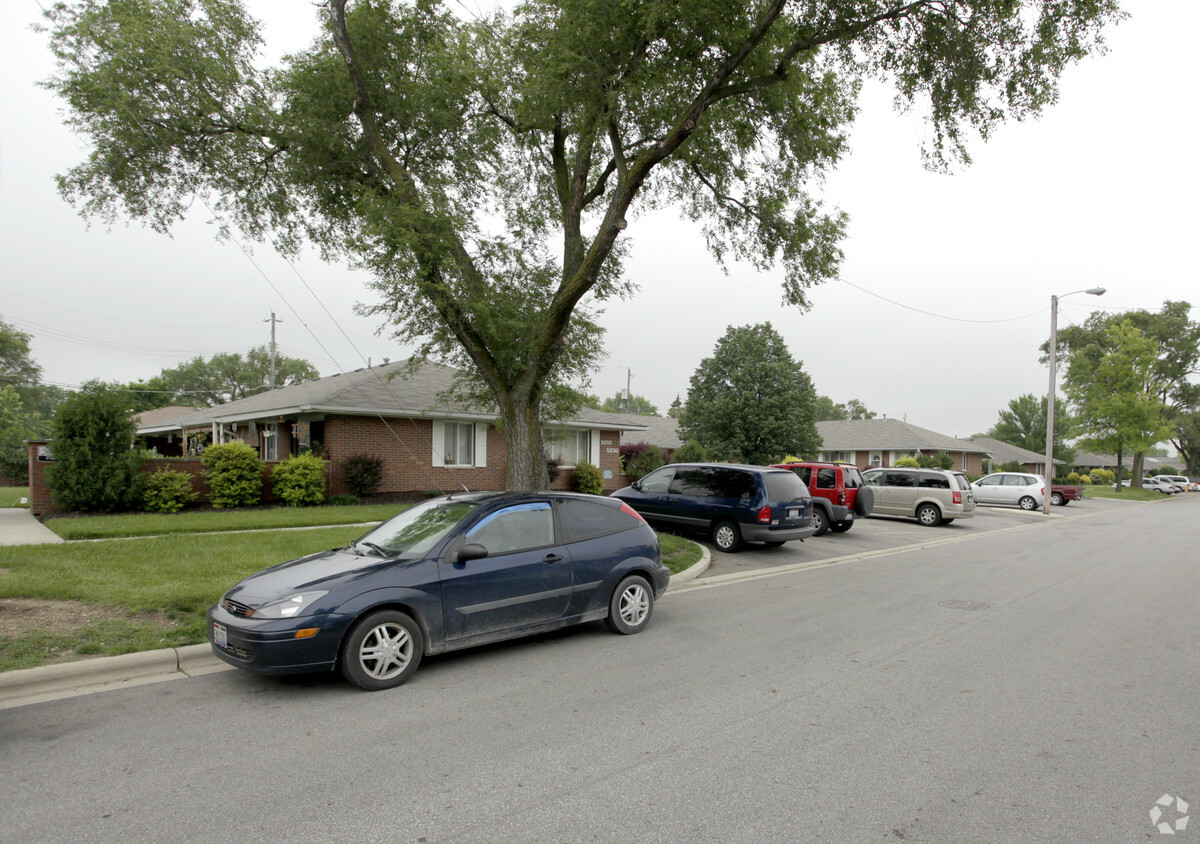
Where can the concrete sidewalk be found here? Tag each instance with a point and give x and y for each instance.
(20, 527)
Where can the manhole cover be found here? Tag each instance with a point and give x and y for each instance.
(964, 605)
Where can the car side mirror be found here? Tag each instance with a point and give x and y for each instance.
(637, 485)
(472, 551)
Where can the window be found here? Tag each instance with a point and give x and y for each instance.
(587, 519)
(516, 528)
(458, 444)
(899, 479)
(931, 481)
(570, 448)
(658, 480)
(270, 441)
(693, 481)
(827, 479)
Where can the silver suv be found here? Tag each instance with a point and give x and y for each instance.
(931, 496)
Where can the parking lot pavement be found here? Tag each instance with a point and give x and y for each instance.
(884, 534)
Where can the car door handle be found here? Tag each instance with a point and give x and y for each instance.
(552, 558)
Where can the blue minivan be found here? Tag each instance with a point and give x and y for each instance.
(729, 503)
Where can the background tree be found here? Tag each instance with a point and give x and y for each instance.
(222, 378)
(484, 172)
(26, 404)
(94, 461)
(1185, 434)
(751, 402)
(639, 405)
(1172, 362)
(1116, 396)
(675, 409)
(827, 411)
(1023, 424)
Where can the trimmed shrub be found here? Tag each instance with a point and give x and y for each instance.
(941, 460)
(691, 452)
(645, 462)
(363, 474)
(300, 480)
(167, 491)
(1084, 480)
(910, 462)
(588, 478)
(95, 464)
(234, 475)
(1011, 466)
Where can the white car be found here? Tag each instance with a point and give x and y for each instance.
(1181, 483)
(1016, 489)
(1159, 484)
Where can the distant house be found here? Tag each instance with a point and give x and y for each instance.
(159, 429)
(426, 440)
(1002, 452)
(662, 431)
(881, 442)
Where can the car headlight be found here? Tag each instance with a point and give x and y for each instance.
(287, 607)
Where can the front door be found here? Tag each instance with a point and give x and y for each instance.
(525, 579)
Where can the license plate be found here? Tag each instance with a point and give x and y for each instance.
(220, 635)
(793, 512)
(849, 517)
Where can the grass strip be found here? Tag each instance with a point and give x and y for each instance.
(10, 496)
(163, 585)
(214, 521)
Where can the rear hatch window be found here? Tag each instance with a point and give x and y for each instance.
(785, 486)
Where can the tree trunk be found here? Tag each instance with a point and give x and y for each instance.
(1135, 473)
(526, 448)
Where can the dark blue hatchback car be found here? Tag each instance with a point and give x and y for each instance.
(448, 573)
(730, 503)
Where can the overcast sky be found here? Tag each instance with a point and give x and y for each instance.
(943, 299)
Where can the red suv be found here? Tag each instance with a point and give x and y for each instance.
(838, 492)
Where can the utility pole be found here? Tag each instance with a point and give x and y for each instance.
(628, 382)
(272, 320)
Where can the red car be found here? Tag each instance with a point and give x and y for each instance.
(838, 492)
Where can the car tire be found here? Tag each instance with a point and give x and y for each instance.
(929, 515)
(630, 606)
(727, 537)
(864, 502)
(841, 527)
(382, 650)
(1027, 503)
(820, 522)
(1057, 500)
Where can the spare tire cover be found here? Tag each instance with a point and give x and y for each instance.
(864, 502)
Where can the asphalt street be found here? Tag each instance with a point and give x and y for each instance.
(1010, 677)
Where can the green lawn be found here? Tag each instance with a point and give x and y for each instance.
(161, 586)
(10, 496)
(215, 521)
(1126, 494)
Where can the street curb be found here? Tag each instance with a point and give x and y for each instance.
(692, 572)
(67, 679)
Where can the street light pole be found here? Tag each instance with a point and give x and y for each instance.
(1049, 469)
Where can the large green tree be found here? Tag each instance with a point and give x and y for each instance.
(751, 402)
(827, 411)
(484, 172)
(636, 404)
(222, 378)
(1171, 364)
(1115, 393)
(26, 404)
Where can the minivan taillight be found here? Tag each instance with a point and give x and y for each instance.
(764, 515)
(958, 498)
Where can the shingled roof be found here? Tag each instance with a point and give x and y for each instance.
(888, 435)
(390, 389)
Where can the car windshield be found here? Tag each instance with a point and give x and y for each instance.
(414, 532)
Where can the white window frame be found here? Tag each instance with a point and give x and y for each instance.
(556, 438)
(475, 431)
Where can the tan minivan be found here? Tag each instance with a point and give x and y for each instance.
(931, 496)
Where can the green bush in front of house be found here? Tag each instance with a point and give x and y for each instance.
(588, 478)
(910, 462)
(363, 474)
(234, 475)
(167, 491)
(300, 480)
(644, 462)
(690, 452)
